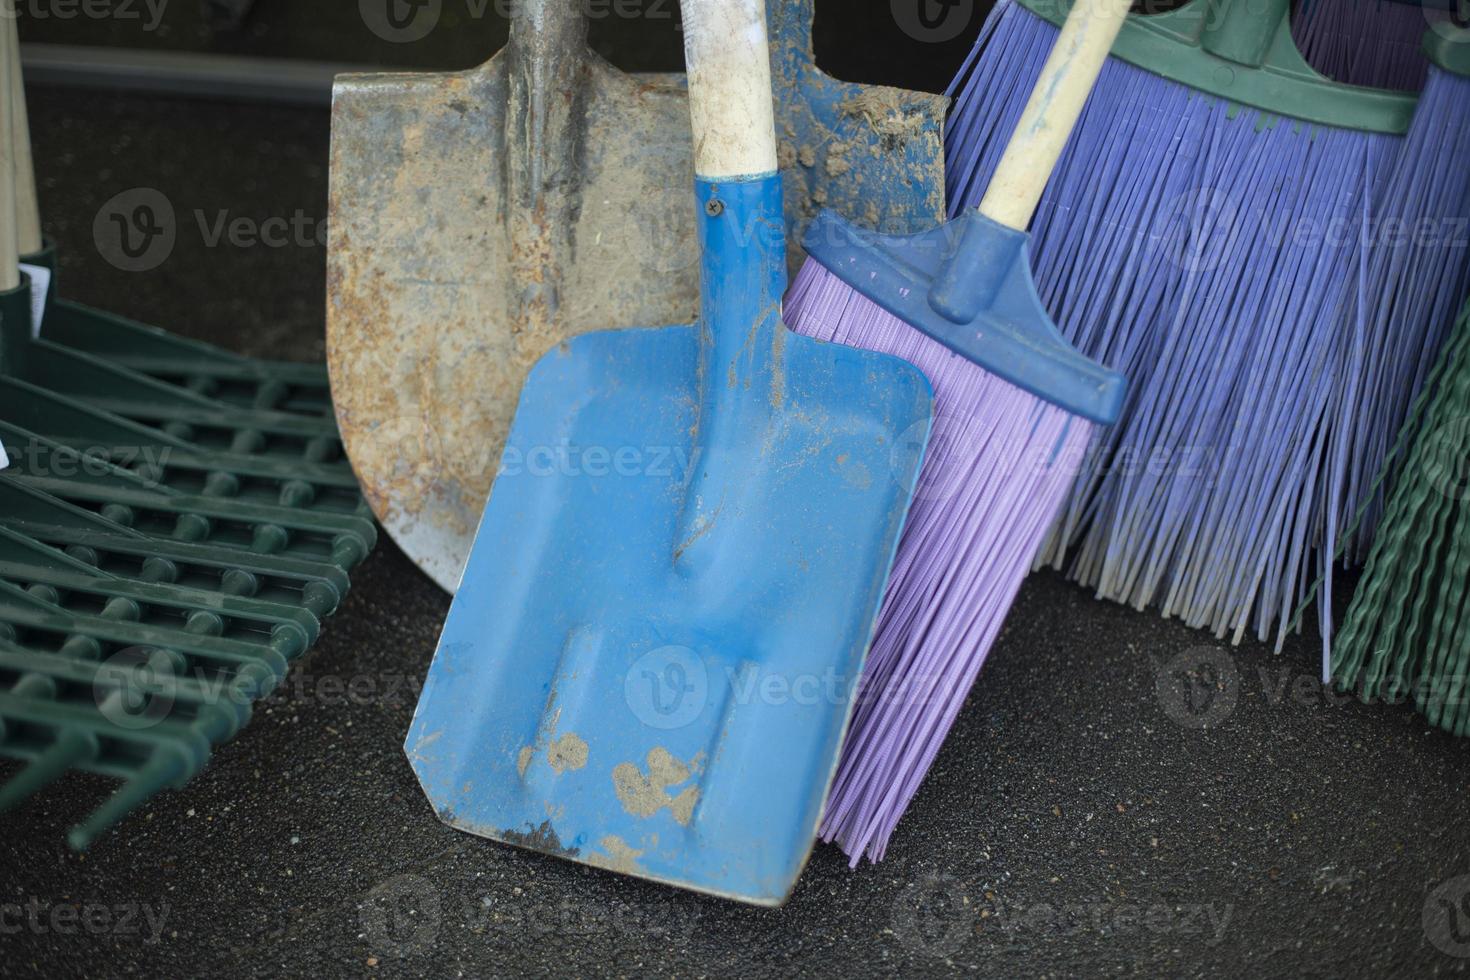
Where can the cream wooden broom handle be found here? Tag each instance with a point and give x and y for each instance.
(729, 65)
(27, 208)
(9, 255)
(1056, 104)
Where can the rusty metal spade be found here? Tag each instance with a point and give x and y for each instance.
(480, 218)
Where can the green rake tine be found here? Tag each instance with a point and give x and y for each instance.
(70, 749)
(160, 774)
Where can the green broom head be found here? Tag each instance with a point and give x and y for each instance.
(1243, 52)
(1407, 634)
(1449, 48)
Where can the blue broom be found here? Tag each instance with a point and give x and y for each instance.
(1238, 184)
(1419, 272)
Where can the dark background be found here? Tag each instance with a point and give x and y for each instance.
(1079, 821)
(856, 40)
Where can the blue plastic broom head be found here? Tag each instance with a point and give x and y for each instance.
(968, 285)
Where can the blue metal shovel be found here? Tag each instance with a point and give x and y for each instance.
(649, 662)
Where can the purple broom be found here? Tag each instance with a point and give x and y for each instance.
(1015, 410)
(1241, 232)
(1377, 43)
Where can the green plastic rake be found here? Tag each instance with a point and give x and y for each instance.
(175, 523)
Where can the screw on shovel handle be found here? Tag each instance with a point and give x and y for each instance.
(1056, 104)
(9, 250)
(729, 65)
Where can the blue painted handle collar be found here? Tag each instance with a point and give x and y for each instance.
(968, 285)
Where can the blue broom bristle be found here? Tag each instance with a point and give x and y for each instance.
(1217, 259)
(1376, 43)
(1419, 273)
(1418, 263)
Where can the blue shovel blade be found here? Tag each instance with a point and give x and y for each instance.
(622, 686)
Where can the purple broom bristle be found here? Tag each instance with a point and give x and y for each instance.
(998, 468)
(1220, 265)
(1214, 261)
(1377, 43)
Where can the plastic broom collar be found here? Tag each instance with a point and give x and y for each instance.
(1242, 51)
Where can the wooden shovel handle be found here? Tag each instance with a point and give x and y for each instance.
(9, 254)
(1056, 104)
(729, 65)
(27, 207)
